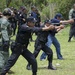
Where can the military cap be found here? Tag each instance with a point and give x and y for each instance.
(7, 11)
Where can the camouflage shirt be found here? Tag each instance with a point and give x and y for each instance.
(3, 28)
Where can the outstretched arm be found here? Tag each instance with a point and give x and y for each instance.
(58, 28)
(51, 27)
(67, 21)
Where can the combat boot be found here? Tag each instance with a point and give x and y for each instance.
(28, 67)
(34, 74)
(51, 67)
(69, 40)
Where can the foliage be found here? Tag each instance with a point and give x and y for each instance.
(28, 2)
(64, 7)
(2, 5)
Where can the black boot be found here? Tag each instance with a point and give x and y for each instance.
(51, 67)
(34, 74)
(28, 67)
(69, 40)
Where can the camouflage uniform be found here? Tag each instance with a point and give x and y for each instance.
(72, 27)
(4, 37)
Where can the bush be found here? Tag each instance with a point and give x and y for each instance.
(45, 13)
(64, 7)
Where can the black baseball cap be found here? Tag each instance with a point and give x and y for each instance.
(31, 19)
(58, 15)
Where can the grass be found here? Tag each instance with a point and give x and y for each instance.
(64, 67)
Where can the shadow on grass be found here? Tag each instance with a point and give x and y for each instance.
(63, 59)
(42, 68)
(11, 72)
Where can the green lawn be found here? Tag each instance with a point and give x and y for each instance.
(64, 67)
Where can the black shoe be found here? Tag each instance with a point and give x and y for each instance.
(10, 72)
(61, 58)
(34, 73)
(69, 40)
(51, 67)
(28, 67)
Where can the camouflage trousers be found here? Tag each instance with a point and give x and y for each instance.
(3, 58)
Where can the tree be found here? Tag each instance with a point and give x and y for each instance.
(8, 2)
(64, 6)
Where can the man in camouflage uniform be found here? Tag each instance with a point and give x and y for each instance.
(4, 37)
(72, 27)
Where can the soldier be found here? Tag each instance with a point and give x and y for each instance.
(21, 43)
(4, 36)
(38, 18)
(40, 45)
(72, 27)
(34, 13)
(53, 40)
(22, 16)
(13, 20)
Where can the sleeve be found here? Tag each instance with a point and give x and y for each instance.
(4, 31)
(55, 21)
(70, 14)
(30, 29)
(4, 24)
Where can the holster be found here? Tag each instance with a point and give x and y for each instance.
(15, 46)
